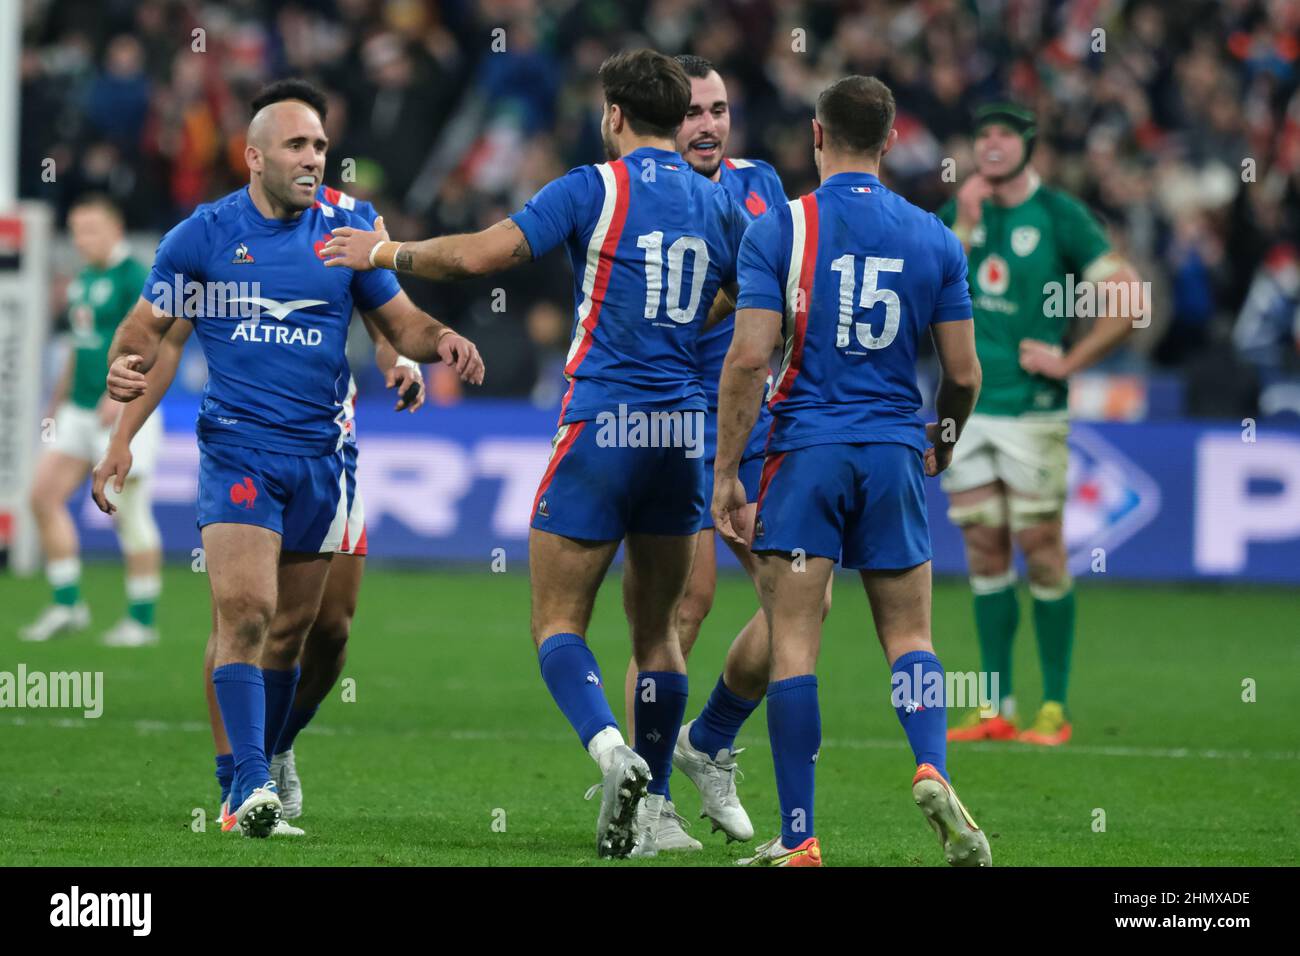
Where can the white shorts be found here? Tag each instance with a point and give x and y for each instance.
(1029, 455)
(78, 433)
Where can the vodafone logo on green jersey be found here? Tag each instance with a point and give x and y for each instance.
(993, 275)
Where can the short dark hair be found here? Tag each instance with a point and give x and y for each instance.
(695, 66)
(291, 89)
(651, 89)
(857, 113)
(101, 201)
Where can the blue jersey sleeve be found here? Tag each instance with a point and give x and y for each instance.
(374, 288)
(760, 269)
(953, 304)
(176, 263)
(556, 212)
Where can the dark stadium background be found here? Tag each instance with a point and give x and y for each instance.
(448, 135)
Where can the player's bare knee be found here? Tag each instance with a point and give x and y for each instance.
(691, 612)
(328, 638)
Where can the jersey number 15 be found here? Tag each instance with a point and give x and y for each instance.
(871, 295)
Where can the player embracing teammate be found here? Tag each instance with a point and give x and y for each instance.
(846, 280)
(650, 242)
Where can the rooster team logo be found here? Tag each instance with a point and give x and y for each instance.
(242, 256)
(244, 494)
(755, 204)
(319, 245)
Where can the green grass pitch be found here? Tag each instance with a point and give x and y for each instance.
(453, 753)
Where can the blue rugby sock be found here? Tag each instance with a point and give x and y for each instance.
(720, 721)
(794, 727)
(920, 709)
(299, 717)
(241, 694)
(225, 774)
(659, 706)
(280, 688)
(573, 678)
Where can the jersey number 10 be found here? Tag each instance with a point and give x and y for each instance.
(653, 244)
(870, 297)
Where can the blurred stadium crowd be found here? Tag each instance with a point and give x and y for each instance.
(1179, 124)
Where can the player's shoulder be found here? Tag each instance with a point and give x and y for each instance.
(348, 204)
(753, 169)
(1058, 202)
(206, 219)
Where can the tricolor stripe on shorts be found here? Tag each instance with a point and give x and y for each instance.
(770, 466)
(600, 262)
(798, 291)
(560, 445)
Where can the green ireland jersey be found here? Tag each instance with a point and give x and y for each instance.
(98, 299)
(1019, 258)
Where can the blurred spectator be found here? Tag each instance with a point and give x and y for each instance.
(1178, 122)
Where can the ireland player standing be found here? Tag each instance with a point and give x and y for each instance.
(103, 292)
(1007, 481)
(848, 279)
(272, 504)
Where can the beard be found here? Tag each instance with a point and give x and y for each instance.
(607, 140)
(283, 193)
(709, 167)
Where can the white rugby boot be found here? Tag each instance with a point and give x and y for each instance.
(285, 774)
(258, 815)
(129, 632)
(56, 620)
(622, 789)
(715, 778)
(670, 833)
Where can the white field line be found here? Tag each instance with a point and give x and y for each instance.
(847, 743)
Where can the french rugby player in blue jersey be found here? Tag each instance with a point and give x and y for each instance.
(248, 273)
(846, 281)
(650, 242)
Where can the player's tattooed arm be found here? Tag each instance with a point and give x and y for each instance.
(134, 350)
(442, 259)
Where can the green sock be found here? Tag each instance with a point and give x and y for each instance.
(1054, 627)
(64, 576)
(142, 611)
(997, 615)
(142, 598)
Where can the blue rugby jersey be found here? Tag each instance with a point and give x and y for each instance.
(858, 274)
(756, 188)
(650, 242)
(271, 318)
